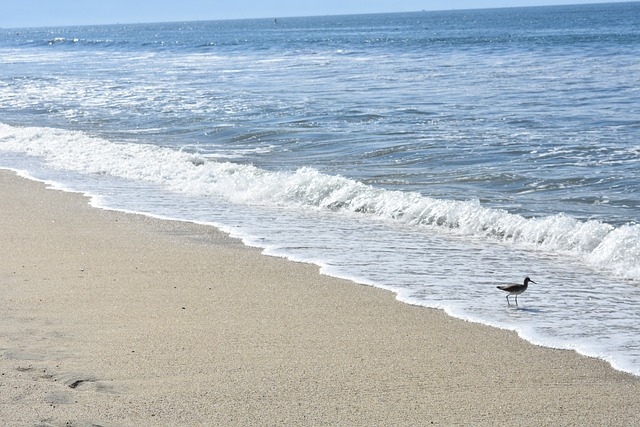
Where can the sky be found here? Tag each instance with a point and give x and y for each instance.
(45, 13)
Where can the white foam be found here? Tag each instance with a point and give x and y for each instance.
(599, 244)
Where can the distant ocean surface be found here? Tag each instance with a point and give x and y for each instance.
(434, 154)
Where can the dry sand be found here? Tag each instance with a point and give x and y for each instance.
(114, 319)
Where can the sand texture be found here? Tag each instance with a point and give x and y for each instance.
(114, 319)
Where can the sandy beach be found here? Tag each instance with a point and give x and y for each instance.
(115, 319)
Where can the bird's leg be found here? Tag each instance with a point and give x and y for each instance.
(508, 299)
(516, 300)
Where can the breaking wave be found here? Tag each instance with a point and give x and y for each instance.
(615, 249)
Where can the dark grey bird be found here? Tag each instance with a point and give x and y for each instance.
(516, 289)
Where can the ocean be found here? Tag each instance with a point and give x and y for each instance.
(433, 154)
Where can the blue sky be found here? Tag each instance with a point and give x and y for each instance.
(35, 13)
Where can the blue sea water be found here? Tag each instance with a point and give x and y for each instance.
(434, 154)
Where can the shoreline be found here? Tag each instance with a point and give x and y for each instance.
(121, 319)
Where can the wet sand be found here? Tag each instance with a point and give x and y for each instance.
(115, 319)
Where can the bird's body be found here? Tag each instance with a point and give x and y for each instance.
(515, 289)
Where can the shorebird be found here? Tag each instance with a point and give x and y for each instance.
(516, 289)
